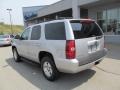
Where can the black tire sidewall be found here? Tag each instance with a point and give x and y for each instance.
(18, 57)
(55, 73)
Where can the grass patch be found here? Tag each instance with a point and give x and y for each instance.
(6, 29)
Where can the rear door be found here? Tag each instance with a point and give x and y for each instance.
(35, 43)
(55, 36)
(89, 40)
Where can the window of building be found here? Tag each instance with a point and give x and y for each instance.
(55, 31)
(83, 13)
(101, 20)
(109, 20)
(36, 33)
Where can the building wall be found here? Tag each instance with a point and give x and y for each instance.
(75, 9)
(57, 7)
(64, 5)
(83, 2)
(112, 39)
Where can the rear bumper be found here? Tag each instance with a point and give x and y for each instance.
(73, 66)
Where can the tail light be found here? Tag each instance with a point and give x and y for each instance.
(70, 49)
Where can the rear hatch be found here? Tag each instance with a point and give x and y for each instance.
(89, 40)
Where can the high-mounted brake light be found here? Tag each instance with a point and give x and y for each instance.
(70, 49)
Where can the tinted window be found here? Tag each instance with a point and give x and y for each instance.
(25, 34)
(11, 36)
(85, 29)
(36, 33)
(55, 31)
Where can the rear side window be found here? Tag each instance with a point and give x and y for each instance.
(55, 31)
(11, 36)
(85, 29)
(36, 33)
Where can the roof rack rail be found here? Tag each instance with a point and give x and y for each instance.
(59, 18)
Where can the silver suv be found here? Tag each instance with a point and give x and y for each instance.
(68, 46)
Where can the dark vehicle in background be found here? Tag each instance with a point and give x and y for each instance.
(6, 39)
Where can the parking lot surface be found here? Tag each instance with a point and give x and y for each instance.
(28, 76)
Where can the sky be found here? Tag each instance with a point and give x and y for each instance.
(16, 6)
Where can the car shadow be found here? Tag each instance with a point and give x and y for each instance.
(1, 46)
(32, 73)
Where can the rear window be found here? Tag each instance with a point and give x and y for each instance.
(85, 29)
(55, 31)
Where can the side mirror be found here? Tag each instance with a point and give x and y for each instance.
(17, 37)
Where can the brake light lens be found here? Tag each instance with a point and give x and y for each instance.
(70, 49)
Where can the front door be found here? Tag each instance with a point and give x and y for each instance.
(23, 43)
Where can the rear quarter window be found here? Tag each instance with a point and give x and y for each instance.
(85, 29)
(55, 31)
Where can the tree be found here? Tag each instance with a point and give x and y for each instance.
(1, 33)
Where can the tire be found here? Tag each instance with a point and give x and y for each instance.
(49, 69)
(16, 55)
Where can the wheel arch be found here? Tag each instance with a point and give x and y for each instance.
(13, 47)
(45, 53)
